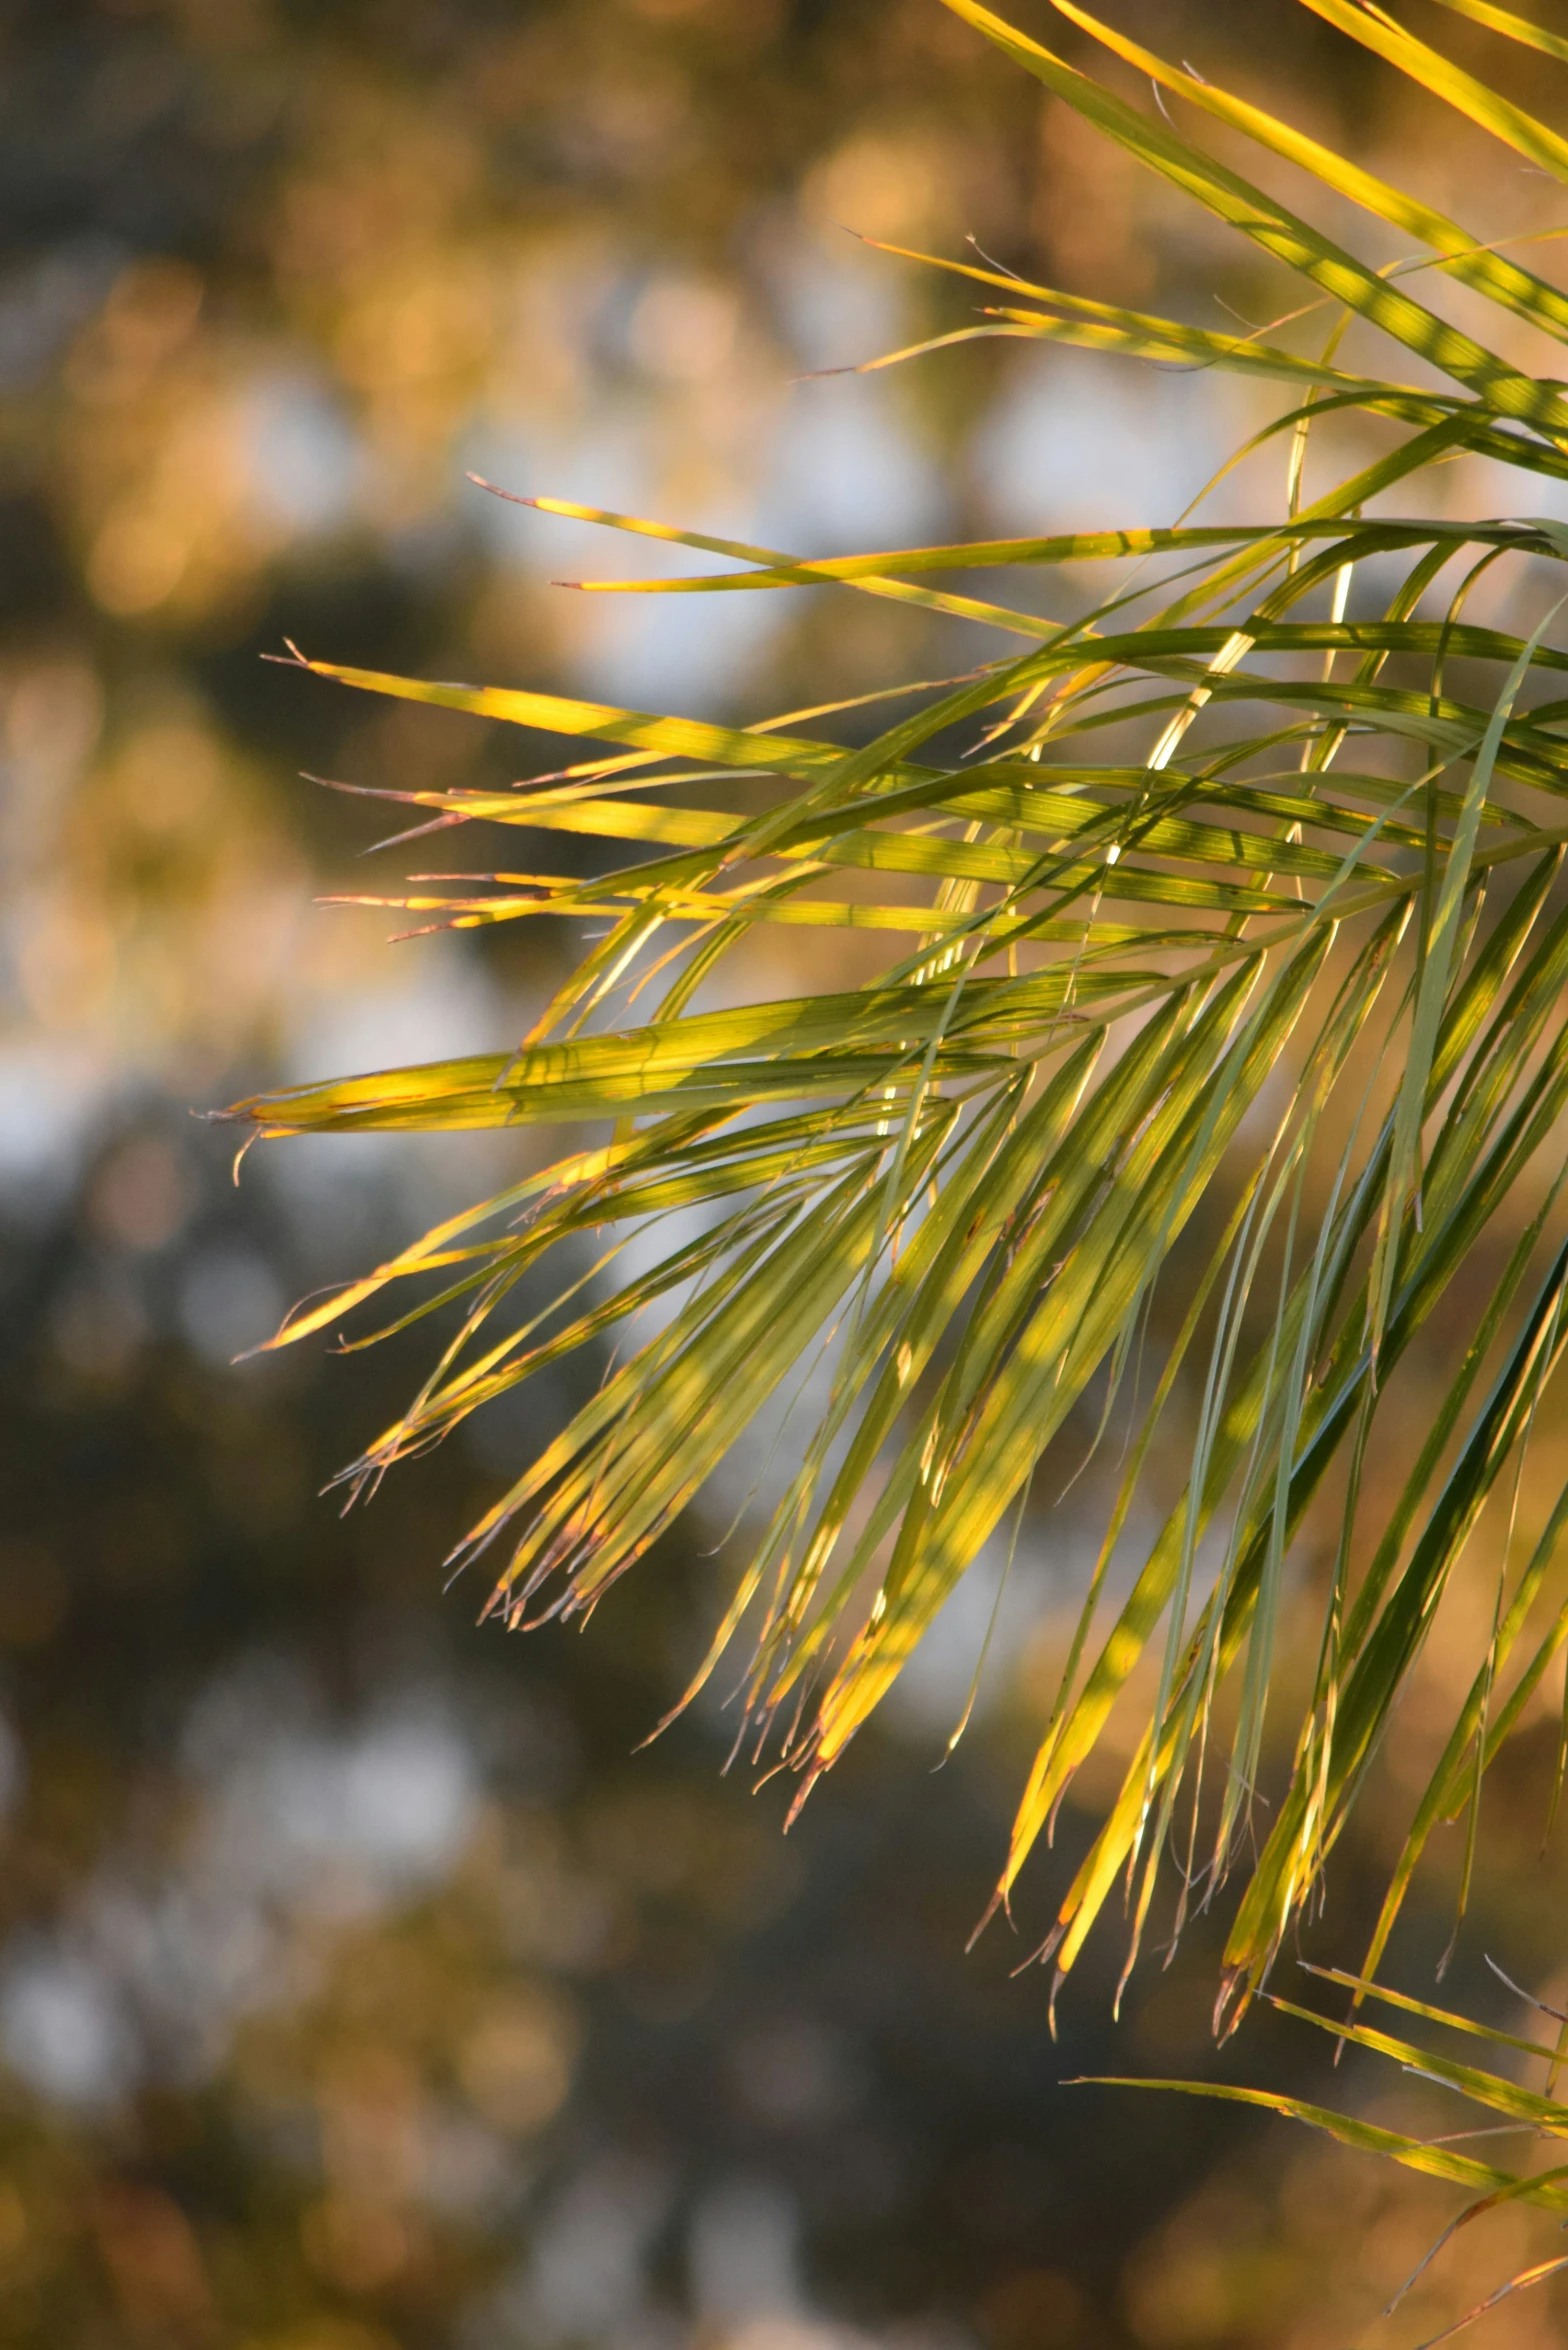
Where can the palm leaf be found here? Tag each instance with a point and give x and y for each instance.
(1276, 803)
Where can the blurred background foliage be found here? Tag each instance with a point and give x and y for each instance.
(359, 1986)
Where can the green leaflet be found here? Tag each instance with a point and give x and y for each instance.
(1445, 80)
(1280, 232)
(1070, 547)
(786, 568)
(1435, 2162)
(1100, 326)
(1492, 274)
(1385, 1996)
(1514, 28)
(813, 1039)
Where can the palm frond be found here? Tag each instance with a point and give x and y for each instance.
(1219, 830)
